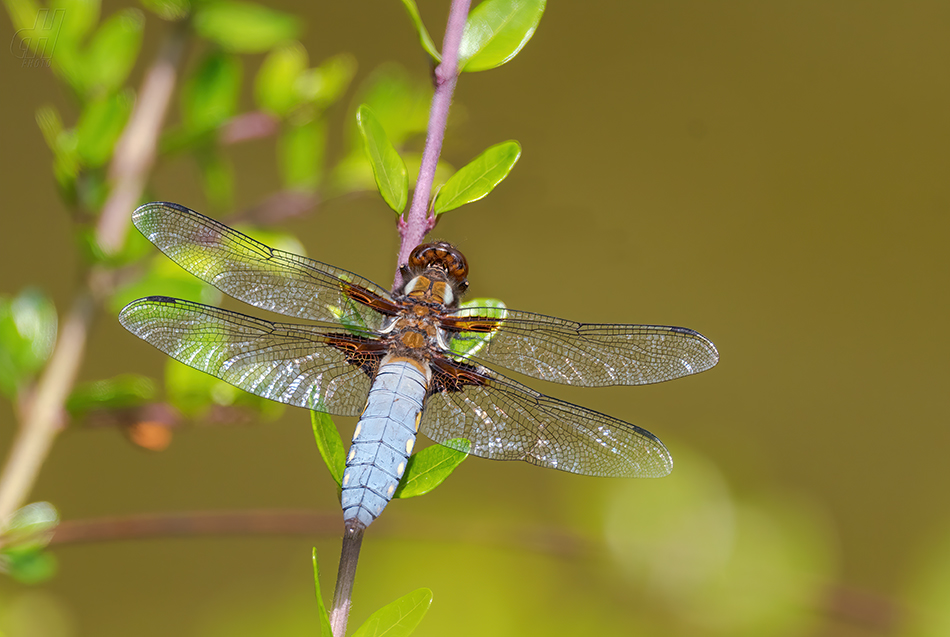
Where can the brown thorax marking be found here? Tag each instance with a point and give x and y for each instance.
(429, 290)
(416, 329)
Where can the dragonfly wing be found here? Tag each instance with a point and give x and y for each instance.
(252, 272)
(582, 354)
(505, 420)
(315, 367)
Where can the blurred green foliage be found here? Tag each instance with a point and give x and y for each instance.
(27, 332)
(25, 536)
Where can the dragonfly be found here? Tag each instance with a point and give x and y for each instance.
(410, 362)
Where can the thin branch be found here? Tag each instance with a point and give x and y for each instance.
(44, 415)
(192, 524)
(136, 150)
(418, 222)
(133, 158)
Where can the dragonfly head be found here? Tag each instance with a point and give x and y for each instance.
(437, 262)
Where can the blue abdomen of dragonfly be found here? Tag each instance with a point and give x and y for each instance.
(383, 440)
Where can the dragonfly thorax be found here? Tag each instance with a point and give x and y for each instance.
(430, 290)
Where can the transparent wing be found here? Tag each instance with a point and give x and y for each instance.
(252, 272)
(583, 354)
(505, 420)
(302, 365)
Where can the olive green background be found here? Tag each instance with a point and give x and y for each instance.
(772, 174)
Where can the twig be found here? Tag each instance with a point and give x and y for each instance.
(43, 417)
(136, 149)
(191, 524)
(418, 222)
(133, 158)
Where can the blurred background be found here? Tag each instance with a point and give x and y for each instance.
(773, 175)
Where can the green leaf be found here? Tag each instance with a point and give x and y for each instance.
(37, 29)
(210, 95)
(118, 392)
(479, 177)
(79, 17)
(64, 146)
(275, 85)
(244, 27)
(328, 82)
(25, 538)
(100, 126)
(430, 467)
(389, 169)
(28, 325)
(496, 30)
(465, 344)
(325, 629)
(113, 50)
(51, 125)
(28, 566)
(330, 444)
(424, 38)
(168, 9)
(398, 618)
(31, 525)
(301, 148)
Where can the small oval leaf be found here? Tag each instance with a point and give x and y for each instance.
(31, 525)
(399, 618)
(424, 38)
(100, 124)
(330, 444)
(244, 27)
(274, 85)
(430, 467)
(389, 169)
(496, 31)
(113, 49)
(28, 324)
(210, 94)
(122, 391)
(479, 177)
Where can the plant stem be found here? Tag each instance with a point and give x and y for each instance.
(44, 414)
(417, 222)
(131, 162)
(342, 596)
(136, 150)
(263, 522)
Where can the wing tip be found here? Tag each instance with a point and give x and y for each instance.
(710, 350)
